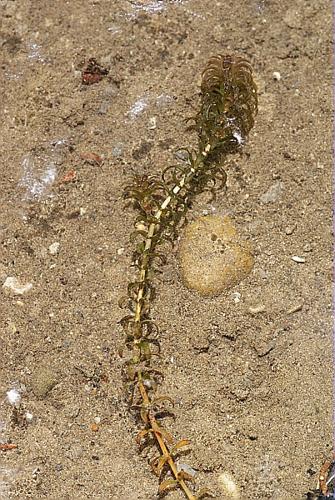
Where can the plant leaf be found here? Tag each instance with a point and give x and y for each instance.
(166, 485)
(181, 444)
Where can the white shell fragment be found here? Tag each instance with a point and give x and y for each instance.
(54, 248)
(152, 123)
(186, 468)
(257, 309)
(29, 416)
(13, 397)
(228, 486)
(12, 284)
(298, 259)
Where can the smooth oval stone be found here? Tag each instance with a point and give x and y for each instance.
(213, 257)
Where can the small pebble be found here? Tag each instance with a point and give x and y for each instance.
(273, 193)
(14, 397)
(54, 248)
(298, 259)
(181, 155)
(120, 251)
(186, 468)
(12, 328)
(236, 296)
(213, 256)
(152, 123)
(82, 211)
(295, 308)
(97, 420)
(29, 417)
(289, 230)
(117, 150)
(256, 309)
(276, 75)
(13, 285)
(228, 486)
(43, 380)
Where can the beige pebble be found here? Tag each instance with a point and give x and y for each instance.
(298, 259)
(228, 486)
(257, 309)
(54, 248)
(43, 380)
(14, 286)
(213, 257)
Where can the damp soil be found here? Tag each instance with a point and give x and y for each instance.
(250, 370)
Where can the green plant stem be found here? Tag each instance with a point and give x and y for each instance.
(154, 228)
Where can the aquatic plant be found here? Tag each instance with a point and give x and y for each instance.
(226, 116)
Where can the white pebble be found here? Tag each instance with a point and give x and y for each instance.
(54, 248)
(29, 416)
(298, 259)
(276, 75)
(186, 468)
(236, 296)
(273, 193)
(120, 251)
(228, 486)
(97, 420)
(256, 309)
(152, 123)
(13, 397)
(15, 286)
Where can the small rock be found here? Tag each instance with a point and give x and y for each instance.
(257, 309)
(295, 308)
(14, 397)
(181, 155)
(117, 150)
(54, 248)
(103, 108)
(186, 468)
(75, 451)
(213, 256)
(120, 251)
(236, 296)
(273, 193)
(29, 417)
(298, 259)
(152, 123)
(11, 328)
(289, 230)
(293, 18)
(111, 90)
(276, 76)
(228, 486)
(43, 380)
(13, 285)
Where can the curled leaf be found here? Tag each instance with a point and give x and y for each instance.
(167, 484)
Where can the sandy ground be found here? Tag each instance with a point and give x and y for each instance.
(253, 389)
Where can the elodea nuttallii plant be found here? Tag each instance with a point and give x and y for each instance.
(226, 116)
